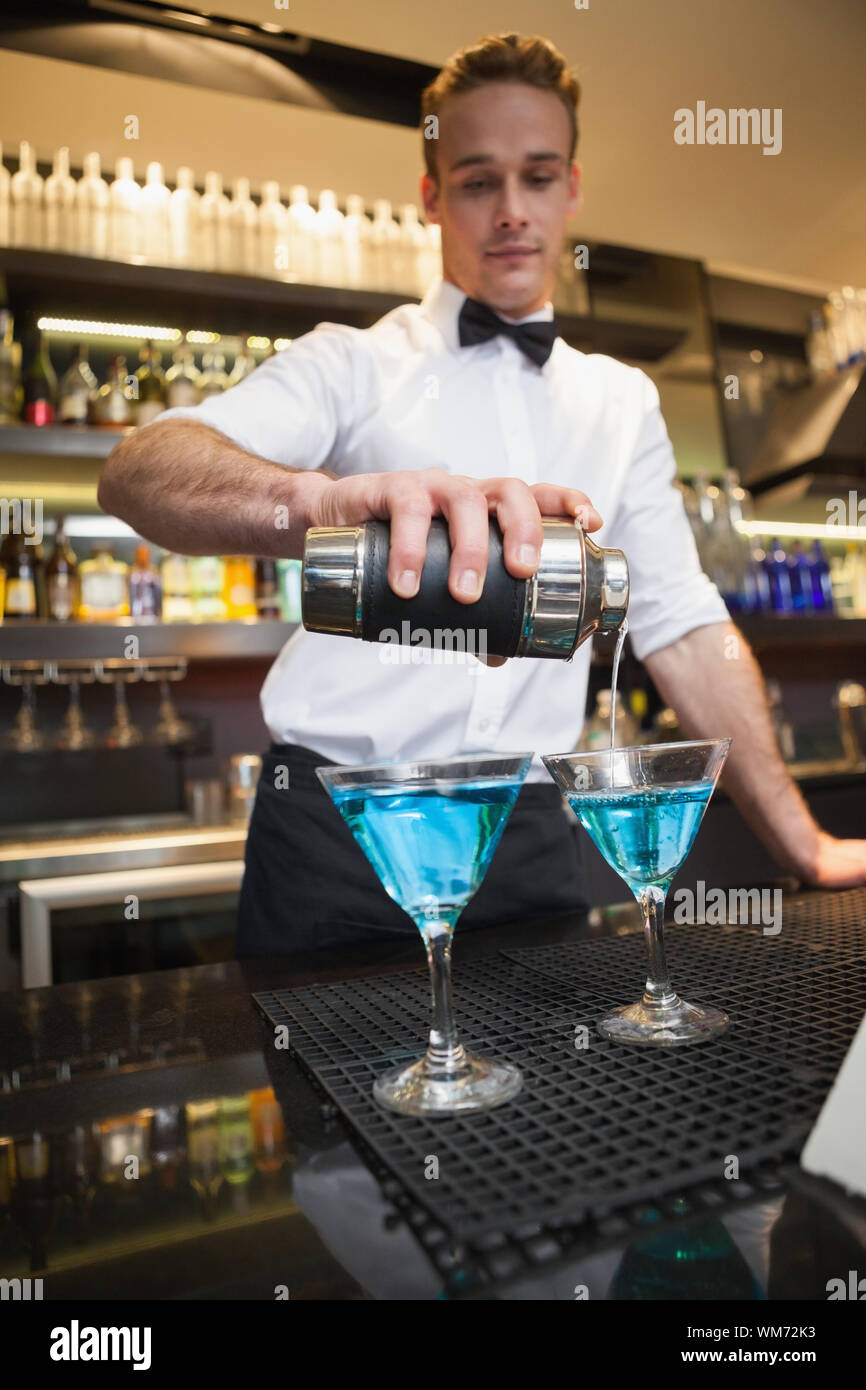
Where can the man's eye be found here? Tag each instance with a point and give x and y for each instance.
(541, 178)
(475, 185)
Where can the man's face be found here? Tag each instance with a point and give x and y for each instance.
(505, 191)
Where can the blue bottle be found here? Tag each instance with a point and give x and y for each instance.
(778, 574)
(800, 575)
(822, 588)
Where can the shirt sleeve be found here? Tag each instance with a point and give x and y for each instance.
(669, 592)
(299, 407)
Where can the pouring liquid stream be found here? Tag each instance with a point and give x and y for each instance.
(616, 656)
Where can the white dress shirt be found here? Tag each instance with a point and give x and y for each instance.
(403, 394)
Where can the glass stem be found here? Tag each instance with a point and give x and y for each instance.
(658, 986)
(445, 1055)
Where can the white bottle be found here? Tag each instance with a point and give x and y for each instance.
(5, 202)
(384, 244)
(273, 232)
(154, 238)
(183, 216)
(125, 210)
(356, 237)
(26, 194)
(60, 205)
(92, 199)
(301, 217)
(214, 225)
(328, 263)
(413, 242)
(431, 258)
(244, 228)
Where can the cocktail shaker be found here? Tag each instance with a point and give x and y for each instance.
(579, 588)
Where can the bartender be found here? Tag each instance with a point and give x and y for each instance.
(465, 406)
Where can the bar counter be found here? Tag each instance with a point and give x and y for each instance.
(234, 1208)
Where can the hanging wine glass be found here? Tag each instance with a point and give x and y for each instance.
(170, 727)
(24, 736)
(75, 733)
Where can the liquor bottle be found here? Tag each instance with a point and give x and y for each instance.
(301, 217)
(213, 379)
(60, 229)
(11, 393)
(21, 602)
(150, 399)
(176, 589)
(289, 572)
(77, 388)
(356, 235)
(183, 218)
(273, 232)
(61, 575)
(431, 260)
(154, 228)
(40, 387)
(327, 232)
(92, 200)
(778, 574)
(822, 589)
(244, 364)
(207, 574)
(124, 218)
(104, 588)
(182, 378)
(413, 240)
(384, 245)
(145, 586)
(267, 589)
(239, 587)
(243, 230)
(800, 576)
(112, 408)
(215, 249)
(5, 202)
(26, 197)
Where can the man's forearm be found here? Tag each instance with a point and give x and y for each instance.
(714, 683)
(185, 486)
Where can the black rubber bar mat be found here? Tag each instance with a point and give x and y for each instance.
(600, 1128)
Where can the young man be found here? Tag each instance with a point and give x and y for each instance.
(446, 409)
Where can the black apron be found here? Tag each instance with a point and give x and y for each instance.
(308, 884)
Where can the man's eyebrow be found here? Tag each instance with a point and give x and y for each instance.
(536, 156)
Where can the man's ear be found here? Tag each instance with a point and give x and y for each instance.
(575, 188)
(430, 198)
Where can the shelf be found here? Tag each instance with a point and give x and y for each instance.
(59, 441)
(229, 641)
(49, 282)
(802, 632)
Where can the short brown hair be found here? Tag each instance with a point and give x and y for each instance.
(501, 58)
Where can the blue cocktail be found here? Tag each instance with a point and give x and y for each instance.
(429, 830)
(642, 808)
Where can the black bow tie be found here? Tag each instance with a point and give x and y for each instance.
(477, 323)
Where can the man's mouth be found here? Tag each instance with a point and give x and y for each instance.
(514, 254)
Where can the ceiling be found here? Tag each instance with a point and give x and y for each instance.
(799, 215)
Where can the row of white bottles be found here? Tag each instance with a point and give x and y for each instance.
(150, 224)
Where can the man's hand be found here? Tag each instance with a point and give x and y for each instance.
(409, 499)
(837, 863)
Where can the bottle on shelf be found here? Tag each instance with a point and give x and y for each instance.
(779, 576)
(239, 587)
(597, 731)
(92, 202)
(289, 574)
(60, 218)
(184, 218)
(145, 586)
(206, 581)
(61, 578)
(822, 588)
(78, 385)
(214, 209)
(356, 236)
(20, 564)
(273, 232)
(267, 589)
(244, 364)
(431, 261)
(104, 586)
(150, 400)
(176, 589)
(5, 202)
(413, 240)
(327, 235)
(154, 228)
(300, 229)
(756, 584)
(112, 407)
(800, 575)
(26, 192)
(11, 391)
(384, 245)
(40, 387)
(213, 379)
(182, 378)
(124, 212)
(244, 230)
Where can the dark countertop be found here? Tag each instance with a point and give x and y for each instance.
(231, 1200)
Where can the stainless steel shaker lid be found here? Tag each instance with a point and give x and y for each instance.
(332, 578)
(578, 588)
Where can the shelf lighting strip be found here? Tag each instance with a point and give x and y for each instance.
(139, 332)
(805, 530)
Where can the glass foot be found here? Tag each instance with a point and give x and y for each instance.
(656, 1025)
(478, 1085)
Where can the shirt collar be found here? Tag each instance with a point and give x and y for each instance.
(442, 304)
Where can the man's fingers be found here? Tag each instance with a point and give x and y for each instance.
(520, 521)
(410, 511)
(553, 500)
(465, 508)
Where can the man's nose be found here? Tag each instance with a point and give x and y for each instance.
(512, 210)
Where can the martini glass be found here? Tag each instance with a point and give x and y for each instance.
(642, 808)
(430, 829)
